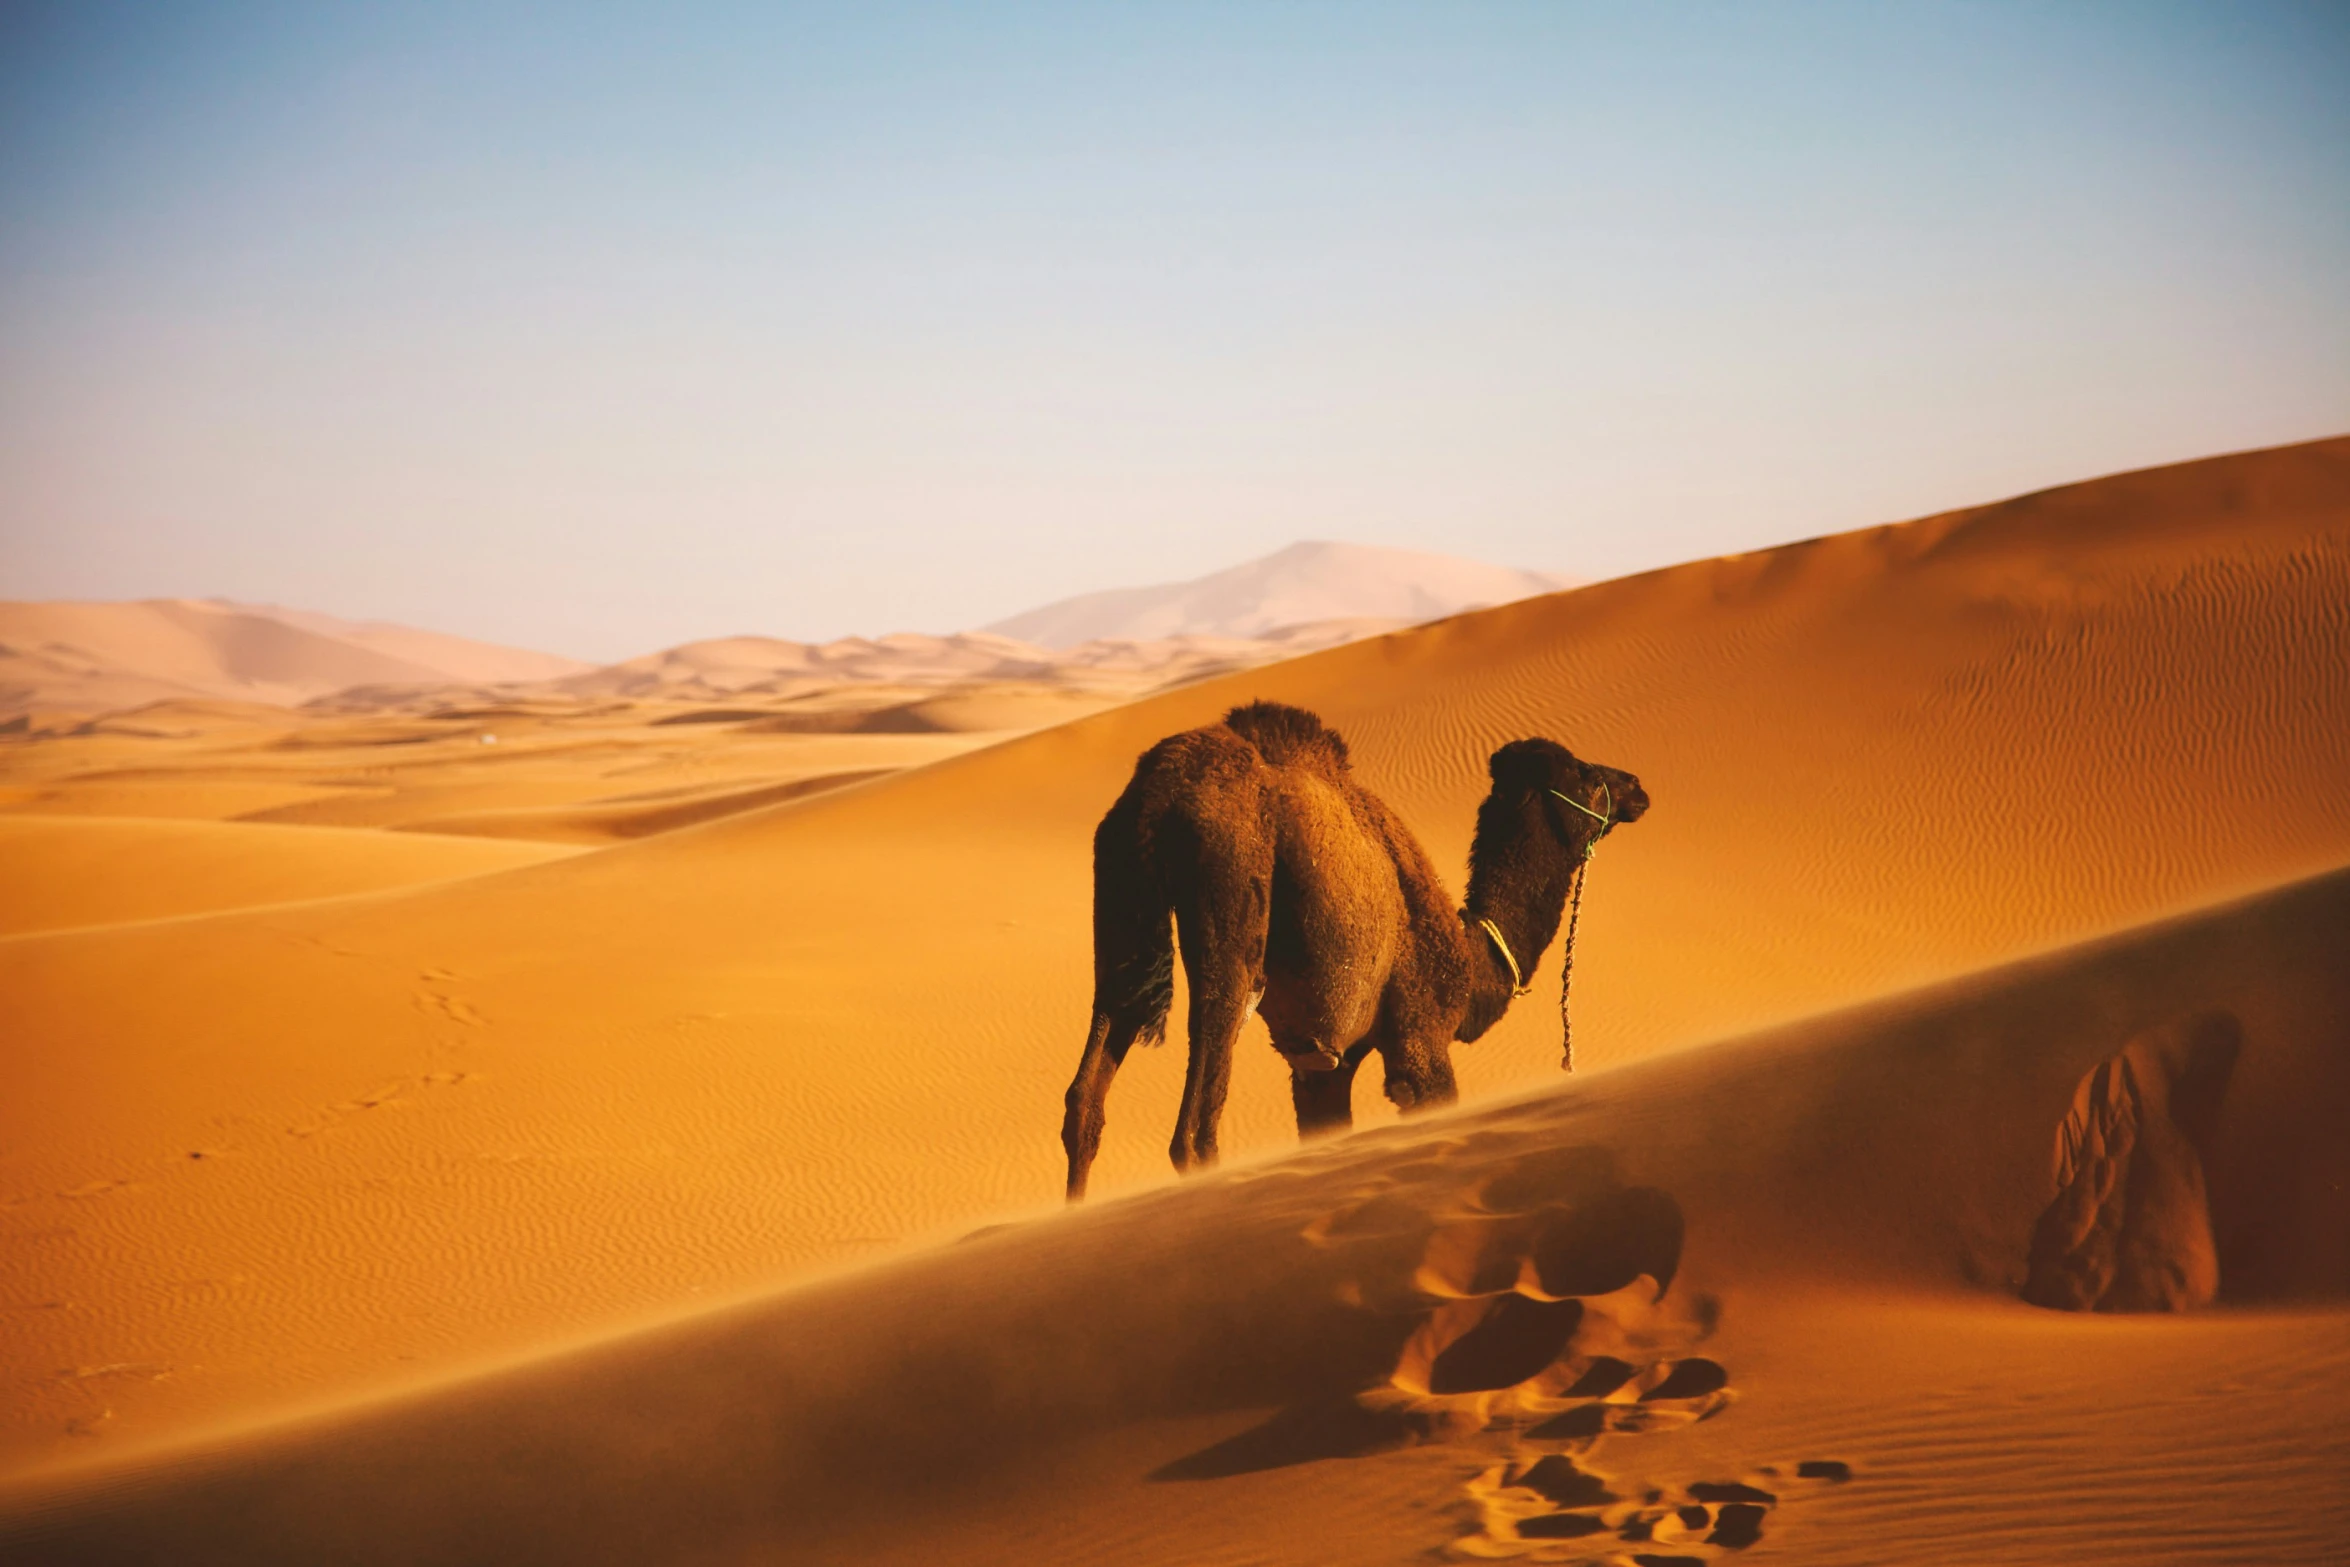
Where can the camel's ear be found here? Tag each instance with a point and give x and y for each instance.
(1521, 767)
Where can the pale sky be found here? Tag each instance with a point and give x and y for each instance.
(598, 328)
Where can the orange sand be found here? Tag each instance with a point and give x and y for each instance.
(461, 1125)
(58, 873)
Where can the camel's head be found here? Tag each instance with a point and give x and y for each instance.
(1547, 811)
(1580, 801)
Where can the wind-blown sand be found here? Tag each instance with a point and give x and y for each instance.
(448, 1130)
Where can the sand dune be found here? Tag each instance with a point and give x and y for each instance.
(858, 676)
(458, 660)
(473, 1119)
(727, 666)
(176, 667)
(1680, 1303)
(564, 774)
(98, 658)
(1309, 582)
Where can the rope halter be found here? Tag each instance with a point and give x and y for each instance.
(1606, 821)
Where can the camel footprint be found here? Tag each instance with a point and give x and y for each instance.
(1512, 1298)
(447, 1008)
(1560, 1326)
(1552, 1509)
(1540, 1330)
(1534, 1324)
(1548, 1288)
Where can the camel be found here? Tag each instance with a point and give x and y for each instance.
(1296, 893)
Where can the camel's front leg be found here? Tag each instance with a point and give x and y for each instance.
(1419, 1074)
(1324, 1099)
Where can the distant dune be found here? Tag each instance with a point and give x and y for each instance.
(459, 660)
(136, 665)
(98, 658)
(898, 683)
(695, 1198)
(63, 663)
(1304, 583)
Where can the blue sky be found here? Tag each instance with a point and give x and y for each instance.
(596, 328)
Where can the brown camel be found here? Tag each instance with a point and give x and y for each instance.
(1297, 893)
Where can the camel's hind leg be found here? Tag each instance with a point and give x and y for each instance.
(1222, 931)
(1106, 1044)
(1217, 1012)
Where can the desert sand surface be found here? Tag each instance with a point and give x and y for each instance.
(602, 1208)
(59, 873)
(1284, 1362)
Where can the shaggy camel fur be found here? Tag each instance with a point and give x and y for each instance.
(1296, 892)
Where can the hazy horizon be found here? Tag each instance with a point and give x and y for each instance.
(603, 330)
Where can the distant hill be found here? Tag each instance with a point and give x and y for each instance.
(856, 679)
(456, 658)
(725, 665)
(95, 658)
(62, 663)
(1304, 583)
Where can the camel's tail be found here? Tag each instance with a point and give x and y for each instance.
(1133, 936)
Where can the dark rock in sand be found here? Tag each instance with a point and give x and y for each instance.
(2130, 1226)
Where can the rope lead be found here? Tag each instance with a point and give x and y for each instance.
(1574, 914)
(1567, 970)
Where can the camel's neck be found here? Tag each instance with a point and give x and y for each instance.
(1519, 877)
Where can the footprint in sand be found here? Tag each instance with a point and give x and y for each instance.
(1537, 1326)
(1551, 1508)
(395, 1092)
(1526, 1296)
(447, 1008)
(1548, 1286)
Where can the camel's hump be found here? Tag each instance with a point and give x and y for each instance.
(1288, 736)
